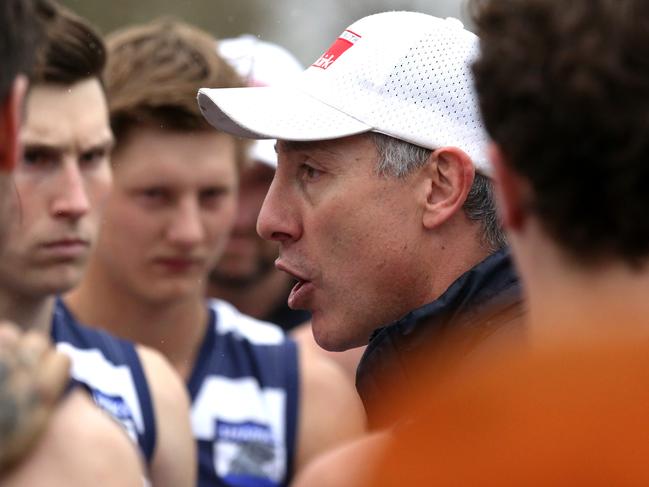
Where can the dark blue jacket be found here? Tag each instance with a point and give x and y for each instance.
(480, 303)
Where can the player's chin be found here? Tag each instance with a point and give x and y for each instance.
(329, 334)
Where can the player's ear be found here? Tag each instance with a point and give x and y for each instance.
(449, 175)
(511, 190)
(10, 120)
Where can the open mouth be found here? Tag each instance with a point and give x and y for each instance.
(298, 285)
(298, 297)
(302, 290)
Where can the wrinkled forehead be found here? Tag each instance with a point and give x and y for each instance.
(62, 115)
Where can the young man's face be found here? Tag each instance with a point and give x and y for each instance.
(61, 183)
(247, 257)
(170, 213)
(352, 237)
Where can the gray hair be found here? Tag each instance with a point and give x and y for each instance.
(398, 158)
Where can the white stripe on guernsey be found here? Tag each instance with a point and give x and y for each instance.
(91, 367)
(231, 320)
(240, 401)
(237, 401)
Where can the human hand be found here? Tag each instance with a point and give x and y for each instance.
(33, 375)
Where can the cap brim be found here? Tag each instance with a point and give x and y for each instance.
(275, 113)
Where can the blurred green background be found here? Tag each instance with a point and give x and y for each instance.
(306, 27)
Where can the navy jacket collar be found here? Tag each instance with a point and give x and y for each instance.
(482, 292)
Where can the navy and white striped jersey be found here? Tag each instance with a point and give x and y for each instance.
(110, 369)
(244, 392)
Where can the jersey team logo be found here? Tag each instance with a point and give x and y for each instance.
(117, 408)
(246, 454)
(346, 40)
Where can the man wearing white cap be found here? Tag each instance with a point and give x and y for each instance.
(381, 201)
(245, 275)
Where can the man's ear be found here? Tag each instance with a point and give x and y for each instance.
(449, 177)
(512, 192)
(10, 121)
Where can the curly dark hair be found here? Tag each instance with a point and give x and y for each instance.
(564, 92)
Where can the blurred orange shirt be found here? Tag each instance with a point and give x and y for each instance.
(569, 414)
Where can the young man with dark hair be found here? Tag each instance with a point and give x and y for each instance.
(61, 184)
(381, 202)
(37, 426)
(260, 405)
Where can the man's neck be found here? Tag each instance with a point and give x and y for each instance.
(455, 254)
(260, 298)
(176, 328)
(28, 312)
(602, 300)
(606, 303)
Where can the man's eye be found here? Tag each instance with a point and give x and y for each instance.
(39, 157)
(310, 173)
(154, 195)
(212, 194)
(92, 157)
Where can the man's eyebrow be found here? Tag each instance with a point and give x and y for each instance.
(43, 146)
(107, 144)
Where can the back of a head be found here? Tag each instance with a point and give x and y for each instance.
(73, 50)
(154, 71)
(18, 36)
(564, 91)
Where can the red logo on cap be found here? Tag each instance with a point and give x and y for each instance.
(346, 40)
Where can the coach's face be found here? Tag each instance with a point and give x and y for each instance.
(348, 235)
(61, 183)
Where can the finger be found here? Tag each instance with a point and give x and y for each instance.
(53, 377)
(32, 346)
(30, 353)
(9, 335)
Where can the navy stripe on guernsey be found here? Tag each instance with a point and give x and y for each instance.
(109, 368)
(244, 393)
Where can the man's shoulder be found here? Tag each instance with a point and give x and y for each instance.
(112, 370)
(75, 427)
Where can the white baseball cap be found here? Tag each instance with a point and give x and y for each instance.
(403, 74)
(260, 63)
